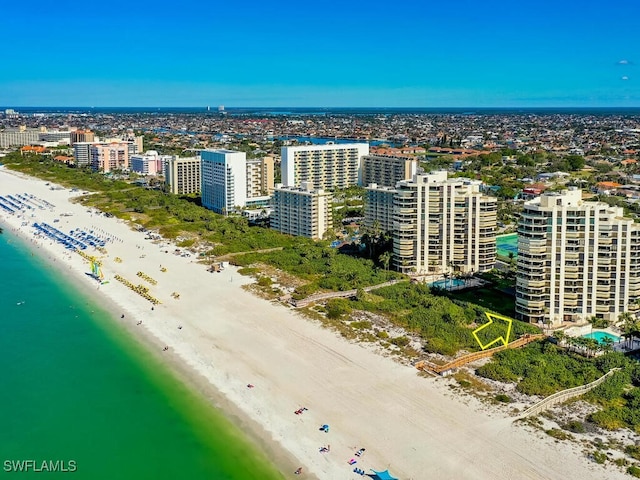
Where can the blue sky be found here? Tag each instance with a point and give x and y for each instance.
(327, 54)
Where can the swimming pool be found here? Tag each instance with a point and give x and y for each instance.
(600, 336)
(507, 243)
(452, 282)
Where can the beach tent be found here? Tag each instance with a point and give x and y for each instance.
(382, 475)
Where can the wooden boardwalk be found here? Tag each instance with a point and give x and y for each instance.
(472, 357)
(565, 395)
(317, 297)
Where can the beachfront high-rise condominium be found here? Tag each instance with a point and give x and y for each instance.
(224, 180)
(576, 260)
(182, 175)
(378, 208)
(443, 225)
(82, 153)
(325, 166)
(387, 170)
(109, 157)
(259, 177)
(301, 211)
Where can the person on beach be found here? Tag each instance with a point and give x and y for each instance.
(298, 471)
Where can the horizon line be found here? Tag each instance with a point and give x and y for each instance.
(215, 108)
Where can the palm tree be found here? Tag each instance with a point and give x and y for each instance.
(630, 327)
(385, 258)
(560, 337)
(570, 342)
(592, 346)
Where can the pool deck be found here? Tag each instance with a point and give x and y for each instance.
(622, 345)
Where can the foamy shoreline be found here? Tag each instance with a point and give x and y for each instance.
(230, 338)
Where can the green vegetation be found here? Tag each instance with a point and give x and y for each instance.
(633, 451)
(559, 434)
(634, 471)
(488, 298)
(174, 216)
(322, 266)
(543, 368)
(337, 308)
(599, 457)
(574, 426)
(445, 325)
(501, 397)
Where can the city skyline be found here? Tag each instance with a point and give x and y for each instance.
(285, 54)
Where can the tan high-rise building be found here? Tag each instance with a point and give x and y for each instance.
(387, 170)
(325, 166)
(81, 136)
(182, 175)
(378, 208)
(259, 177)
(576, 260)
(301, 211)
(107, 158)
(443, 225)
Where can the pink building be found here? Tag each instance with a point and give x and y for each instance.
(149, 163)
(106, 158)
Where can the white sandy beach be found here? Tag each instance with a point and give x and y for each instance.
(412, 425)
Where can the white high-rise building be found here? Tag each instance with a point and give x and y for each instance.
(224, 180)
(576, 260)
(301, 211)
(324, 166)
(443, 225)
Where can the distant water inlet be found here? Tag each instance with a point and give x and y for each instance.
(506, 244)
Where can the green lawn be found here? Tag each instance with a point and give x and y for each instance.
(490, 299)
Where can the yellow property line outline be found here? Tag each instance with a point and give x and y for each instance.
(491, 316)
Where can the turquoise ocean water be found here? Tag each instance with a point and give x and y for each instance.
(75, 388)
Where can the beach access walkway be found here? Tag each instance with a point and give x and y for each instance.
(565, 395)
(228, 256)
(317, 297)
(471, 357)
